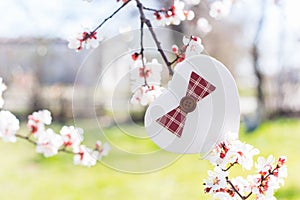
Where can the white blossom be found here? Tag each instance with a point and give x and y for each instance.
(9, 125)
(85, 39)
(151, 71)
(48, 143)
(264, 165)
(203, 25)
(282, 174)
(220, 9)
(43, 116)
(193, 46)
(174, 15)
(72, 137)
(242, 185)
(216, 179)
(85, 157)
(242, 153)
(144, 95)
(232, 151)
(102, 150)
(37, 121)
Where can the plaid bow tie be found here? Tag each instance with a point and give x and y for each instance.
(198, 88)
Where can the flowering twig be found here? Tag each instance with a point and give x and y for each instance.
(230, 166)
(26, 138)
(105, 20)
(234, 189)
(153, 34)
(142, 53)
(154, 10)
(231, 152)
(46, 141)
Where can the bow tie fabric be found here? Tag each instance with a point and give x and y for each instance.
(198, 88)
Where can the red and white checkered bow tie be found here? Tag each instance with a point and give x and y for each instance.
(198, 88)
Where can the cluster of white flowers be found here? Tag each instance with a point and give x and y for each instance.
(174, 15)
(203, 26)
(9, 125)
(47, 141)
(232, 152)
(144, 95)
(220, 8)
(151, 71)
(72, 137)
(37, 121)
(191, 46)
(88, 157)
(269, 178)
(50, 143)
(86, 39)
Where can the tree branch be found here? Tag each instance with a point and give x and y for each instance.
(153, 9)
(157, 42)
(66, 151)
(105, 20)
(234, 189)
(228, 168)
(142, 52)
(26, 138)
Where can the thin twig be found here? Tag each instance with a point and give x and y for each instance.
(234, 189)
(246, 197)
(142, 52)
(261, 183)
(153, 9)
(175, 60)
(157, 42)
(231, 165)
(66, 151)
(26, 138)
(106, 19)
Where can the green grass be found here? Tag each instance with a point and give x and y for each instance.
(27, 175)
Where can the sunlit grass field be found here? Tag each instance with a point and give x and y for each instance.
(26, 175)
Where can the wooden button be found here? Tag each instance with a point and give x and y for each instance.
(188, 104)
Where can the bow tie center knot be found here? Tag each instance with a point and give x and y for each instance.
(188, 104)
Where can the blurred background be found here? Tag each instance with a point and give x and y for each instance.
(258, 40)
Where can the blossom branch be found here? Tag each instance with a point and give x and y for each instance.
(105, 20)
(232, 151)
(153, 9)
(234, 189)
(49, 143)
(263, 179)
(230, 166)
(26, 138)
(153, 34)
(142, 53)
(66, 151)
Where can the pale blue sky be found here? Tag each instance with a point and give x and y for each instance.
(54, 18)
(59, 18)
